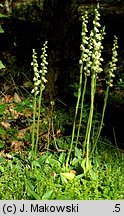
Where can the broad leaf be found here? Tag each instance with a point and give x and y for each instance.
(64, 180)
(1, 145)
(68, 176)
(76, 161)
(1, 64)
(62, 157)
(79, 176)
(30, 190)
(83, 165)
(1, 169)
(47, 195)
(2, 131)
(1, 30)
(78, 153)
(93, 174)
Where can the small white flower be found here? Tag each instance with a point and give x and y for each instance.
(45, 71)
(38, 82)
(82, 47)
(42, 87)
(93, 56)
(84, 41)
(32, 91)
(111, 85)
(83, 33)
(91, 34)
(37, 92)
(112, 75)
(85, 56)
(44, 79)
(34, 79)
(42, 64)
(35, 69)
(96, 29)
(35, 88)
(37, 75)
(45, 62)
(80, 61)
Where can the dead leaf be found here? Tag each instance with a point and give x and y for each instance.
(68, 176)
(27, 84)
(45, 136)
(17, 99)
(13, 112)
(53, 174)
(17, 145)
(7, 99)
(4, 136)
(73, 171)
(58, 133)
(8, 156)
(5, 125)
(22, 132)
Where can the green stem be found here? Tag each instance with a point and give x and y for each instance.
(90, 119)
(75, 117)
(81, 112)
(38, 122)
(103, 114)
(33, 129)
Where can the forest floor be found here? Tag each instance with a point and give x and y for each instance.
(47, 178)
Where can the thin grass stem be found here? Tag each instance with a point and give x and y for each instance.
(81, 111)
(103, 114)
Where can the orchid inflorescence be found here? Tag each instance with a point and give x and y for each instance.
(91, 46)
(112, 64)
(91, 65)
(39, 75)
(39, 85)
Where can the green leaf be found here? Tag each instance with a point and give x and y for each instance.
(83, 165)
(3, 16)
(93, 174)
(27, 84)
(62, 157)
(78, 153)
(36, 164)
(75, 161)
(2, 169)
(34, 195)
(64, 180)
(42, 159)
(19, 108)
(76, 94)
(2, 108)
(27, 103)
(52, 161)
(30, 190)
(1, 64)
(1, 30)
(79, 176)
(47, 195)
(64, 197)
(2, 131)
(1, 145)
(29, 184)
(2, 159)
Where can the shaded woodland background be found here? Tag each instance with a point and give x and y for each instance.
(29, 23)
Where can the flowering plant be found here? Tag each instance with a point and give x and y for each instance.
(39, 85)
